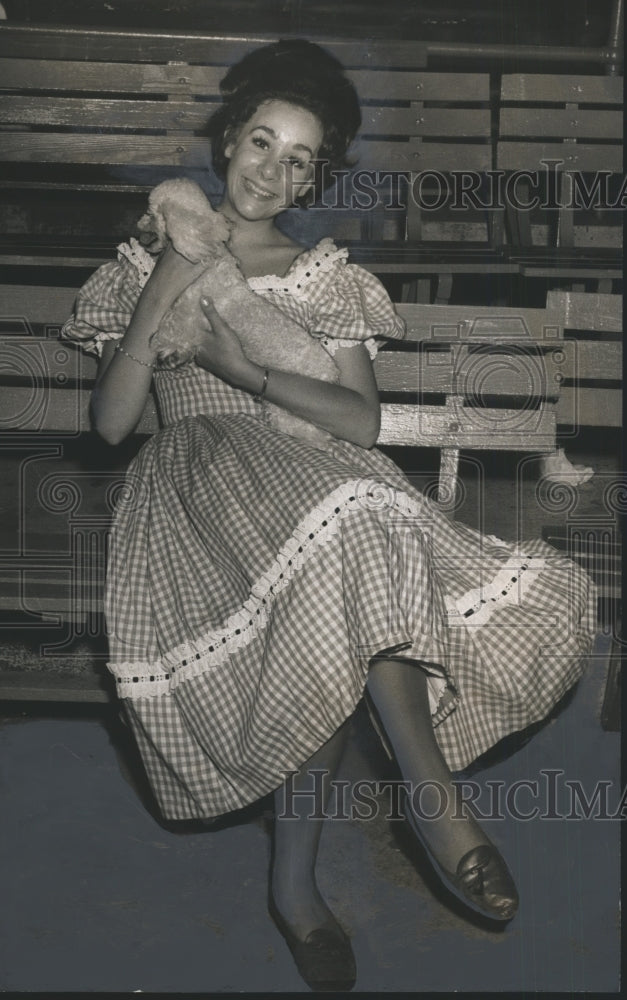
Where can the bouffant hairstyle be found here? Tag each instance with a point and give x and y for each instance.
(298, 72)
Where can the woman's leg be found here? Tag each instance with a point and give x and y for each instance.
(296, 839)
(399, 691)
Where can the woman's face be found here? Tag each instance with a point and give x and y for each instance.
(271, 160)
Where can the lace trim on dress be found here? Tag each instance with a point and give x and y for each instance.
(137, 679)
(331, 344)
(138, 256)
(305, 269)
(509, 586)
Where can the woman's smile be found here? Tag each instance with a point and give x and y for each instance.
(258, 192)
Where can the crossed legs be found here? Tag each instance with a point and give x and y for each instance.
(399, 692)
(398, 689)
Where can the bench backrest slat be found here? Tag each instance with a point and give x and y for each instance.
(553, 88)
(137, 45)
(588, 310)
(540, 122)
(575, 156)
(114, 150)
(406, 424)
(107, 113)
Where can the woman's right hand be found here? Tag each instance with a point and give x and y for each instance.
(171, 275)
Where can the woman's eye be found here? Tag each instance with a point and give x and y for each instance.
(294, 162)
(260, 141)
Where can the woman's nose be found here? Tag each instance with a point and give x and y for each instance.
(269, 167)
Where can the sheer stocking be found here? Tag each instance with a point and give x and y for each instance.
(398, 689)
(296, 839)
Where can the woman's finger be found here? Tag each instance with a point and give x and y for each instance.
(210, 310)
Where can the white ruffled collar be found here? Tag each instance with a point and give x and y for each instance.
(320, 258)
(303, 269)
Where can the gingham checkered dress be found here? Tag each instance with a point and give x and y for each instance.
(252, 577)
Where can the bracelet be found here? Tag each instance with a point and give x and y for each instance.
(118, 347)
(264, 385)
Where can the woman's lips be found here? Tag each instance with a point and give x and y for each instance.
(258, 192)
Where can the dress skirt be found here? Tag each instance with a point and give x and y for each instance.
(253, 577)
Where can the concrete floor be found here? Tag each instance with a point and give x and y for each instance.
(101, 896)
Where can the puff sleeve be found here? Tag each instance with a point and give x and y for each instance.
(105, 304)
(350, 306)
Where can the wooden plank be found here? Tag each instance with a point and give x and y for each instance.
(51, 685)
(56, 604)
(39, 407)
(396, 259)
(38, 260)
(37, 303)
(136, 45)
(448, 156)
(84, 112)
(560, 122)
(480, 323)
(591, 359)
(453, 122)
(72, 589)
(433, 426)
(33, 147)
(573, 156)
(465, 427)
(461, 371)
(465, 372)
(146, 78)
(456, 88)
(588, 310)
(415, 156)
(122, 149)
(590, 407)
(572, 270)
(562, 87)
(98, 77)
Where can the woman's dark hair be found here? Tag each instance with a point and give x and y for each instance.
(298, 72)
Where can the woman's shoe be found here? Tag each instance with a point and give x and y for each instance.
(482, 880)
(324, 959)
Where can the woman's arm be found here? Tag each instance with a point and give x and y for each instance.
(122, 384)
(348, 410)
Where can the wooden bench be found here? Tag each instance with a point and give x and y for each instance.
(470, 377)
(567, 131)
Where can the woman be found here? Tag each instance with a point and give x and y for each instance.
(257, 586)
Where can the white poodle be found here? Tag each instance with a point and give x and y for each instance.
(178, 210)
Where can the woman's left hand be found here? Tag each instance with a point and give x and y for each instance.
(222, 352)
